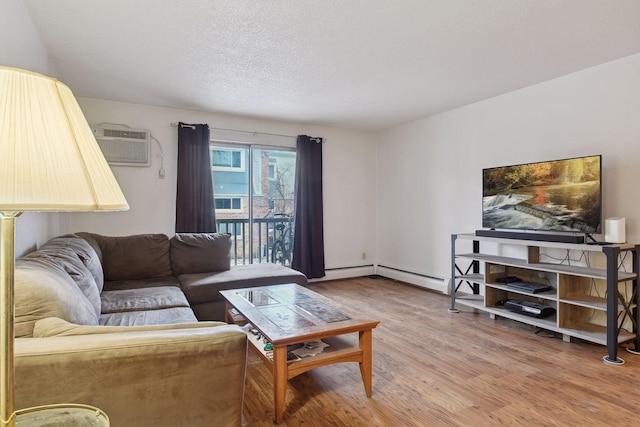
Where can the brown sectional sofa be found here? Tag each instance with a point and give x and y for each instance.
(128, 324)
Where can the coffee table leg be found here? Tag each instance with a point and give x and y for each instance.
(366, 364)
(227, 316)
(279, 379)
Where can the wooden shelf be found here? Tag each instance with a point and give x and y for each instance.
(596, 334)
(589, 301)
(588, 332)
(475, 302)
(580, 312)
(543, 244)
(594, 273)
(477, 278)
(549, 295)
(340, 348)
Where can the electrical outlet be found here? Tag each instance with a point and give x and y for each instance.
(364, 255)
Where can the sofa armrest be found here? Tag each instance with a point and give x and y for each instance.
(181, 377)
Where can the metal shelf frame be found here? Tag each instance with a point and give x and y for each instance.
(618, 310)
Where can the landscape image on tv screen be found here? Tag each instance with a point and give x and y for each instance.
(558, 195)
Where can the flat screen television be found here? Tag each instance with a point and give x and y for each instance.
(558, 195)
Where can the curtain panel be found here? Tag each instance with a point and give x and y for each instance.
(195, 208)
(308, 237)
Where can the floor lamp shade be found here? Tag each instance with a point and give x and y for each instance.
(49, 158)
(49, 161)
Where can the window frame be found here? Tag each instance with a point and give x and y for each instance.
(231, 168)
(231, 199)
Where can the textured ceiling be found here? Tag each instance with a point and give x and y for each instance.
(356, 64)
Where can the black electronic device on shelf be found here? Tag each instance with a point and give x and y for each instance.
(529, 308)
(508, 279)
(530, 287)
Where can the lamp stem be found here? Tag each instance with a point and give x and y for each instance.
(7, 265)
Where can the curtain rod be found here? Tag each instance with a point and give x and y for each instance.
(314, 139)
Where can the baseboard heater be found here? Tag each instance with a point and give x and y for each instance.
(351, 267)
(538, 237)
(426, 276)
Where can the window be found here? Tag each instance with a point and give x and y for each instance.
(229, 203)
(227, 159)
(253, 187)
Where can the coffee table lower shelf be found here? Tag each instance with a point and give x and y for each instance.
(340, 349)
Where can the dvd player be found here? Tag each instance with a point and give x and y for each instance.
(529, 308)
(530, 287)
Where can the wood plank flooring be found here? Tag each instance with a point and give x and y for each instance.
(433, 368)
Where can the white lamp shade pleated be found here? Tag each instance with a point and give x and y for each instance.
(49, 158)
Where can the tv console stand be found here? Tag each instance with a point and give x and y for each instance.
(538, 237)
(600, 305)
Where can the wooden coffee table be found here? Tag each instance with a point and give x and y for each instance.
(290, 314)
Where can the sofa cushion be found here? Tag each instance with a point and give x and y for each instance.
(204, 287)
(85, 251)
(115, 285)
(134, 257)
(149, 317)
(200, 252)
(43, 289)
(55, 327)
(142, 299)
(75, 268)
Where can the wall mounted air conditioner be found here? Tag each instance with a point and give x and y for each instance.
(124, 147)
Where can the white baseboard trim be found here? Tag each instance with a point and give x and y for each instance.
(346, 273)
(427, 282)
(420, 280)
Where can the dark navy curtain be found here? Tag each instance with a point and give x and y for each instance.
(195, 209)
(308, 237)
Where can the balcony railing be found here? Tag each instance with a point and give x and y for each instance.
(264, 236)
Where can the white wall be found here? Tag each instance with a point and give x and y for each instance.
(348, 177)
(429, 171)
(423, 185)
(349, 162)
(20, 43)
(21, 47)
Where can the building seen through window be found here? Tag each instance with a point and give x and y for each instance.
(255, 204)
